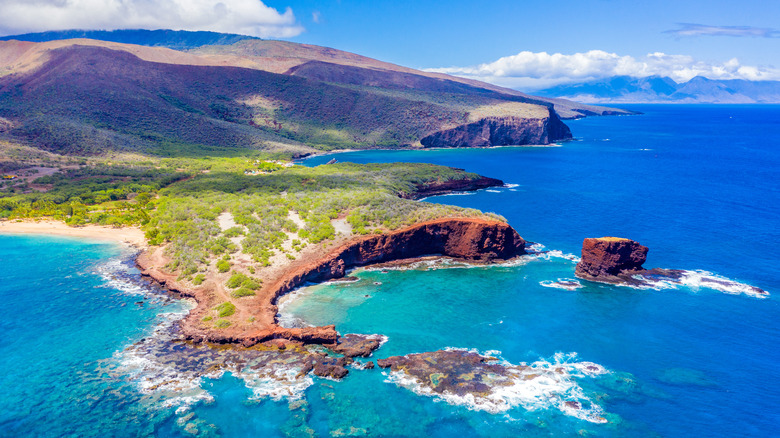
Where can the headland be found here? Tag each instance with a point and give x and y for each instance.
(471, 239)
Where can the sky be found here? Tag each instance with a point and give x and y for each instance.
(517, 43)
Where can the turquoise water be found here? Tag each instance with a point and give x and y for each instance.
(66, 312)
(699, 185)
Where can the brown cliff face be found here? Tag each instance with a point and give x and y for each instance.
(607, 258)
(456, 185)
(501, 131)
(462, 238)
(468, 239)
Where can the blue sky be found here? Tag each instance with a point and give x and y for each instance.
(428, 34)
(515, 43)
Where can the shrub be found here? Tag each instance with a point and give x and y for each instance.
(239, 279)
(225, 309)
(199, 279)
(223, 266)
(242, 292)
(233, 232)
(221, 323)
(236, 280)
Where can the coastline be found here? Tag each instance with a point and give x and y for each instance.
(471, 239)
(130, 236)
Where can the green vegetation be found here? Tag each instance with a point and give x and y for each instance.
(221, 323)
(242, 280)
(242, 292)
(223, 266)
(178, 202)
(225, 309)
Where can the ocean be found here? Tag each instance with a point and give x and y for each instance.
(699, 185)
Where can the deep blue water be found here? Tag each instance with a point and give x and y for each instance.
(699, 185)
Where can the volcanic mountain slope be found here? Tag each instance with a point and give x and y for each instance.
(280, 56)
(284, 57)
(87, 97)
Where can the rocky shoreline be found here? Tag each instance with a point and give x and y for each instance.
(446, 187)
(460, 238)
(463, 238)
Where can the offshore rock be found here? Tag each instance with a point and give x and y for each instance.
(501, 131)
(615, 260)
(487, 383)
(610, 259)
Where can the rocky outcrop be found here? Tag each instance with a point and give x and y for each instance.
(462, 238)
(354, 345)
(501, 131)
(610, 259)
(323, 366)
(455, 185)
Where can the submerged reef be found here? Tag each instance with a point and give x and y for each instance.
(483, 382)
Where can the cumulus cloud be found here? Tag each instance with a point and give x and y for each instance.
(534, 70)
(693, 29)
(247, 17)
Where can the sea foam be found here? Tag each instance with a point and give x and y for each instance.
(542, 385)
(699, 279)
(171, 373)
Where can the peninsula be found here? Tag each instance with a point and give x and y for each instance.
(235, 234)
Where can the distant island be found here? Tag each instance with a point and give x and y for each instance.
(659, 89)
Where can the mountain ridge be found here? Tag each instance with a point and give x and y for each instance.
(84, 96)
(279, 56)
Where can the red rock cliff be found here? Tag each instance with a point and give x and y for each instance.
(462, 238)
(606, 258)
(501, 131)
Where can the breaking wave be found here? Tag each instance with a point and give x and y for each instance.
(171, 373)
(541, 385)
(697, 280)
(562, 283)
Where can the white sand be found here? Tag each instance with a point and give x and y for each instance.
(127, 235)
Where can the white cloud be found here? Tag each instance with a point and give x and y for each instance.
(531, 70)
(247, 17)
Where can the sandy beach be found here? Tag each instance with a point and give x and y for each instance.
(127, 235)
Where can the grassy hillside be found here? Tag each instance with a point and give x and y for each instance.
(178, 202)
(90, 100)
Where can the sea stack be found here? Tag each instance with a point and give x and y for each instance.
(610, 259)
